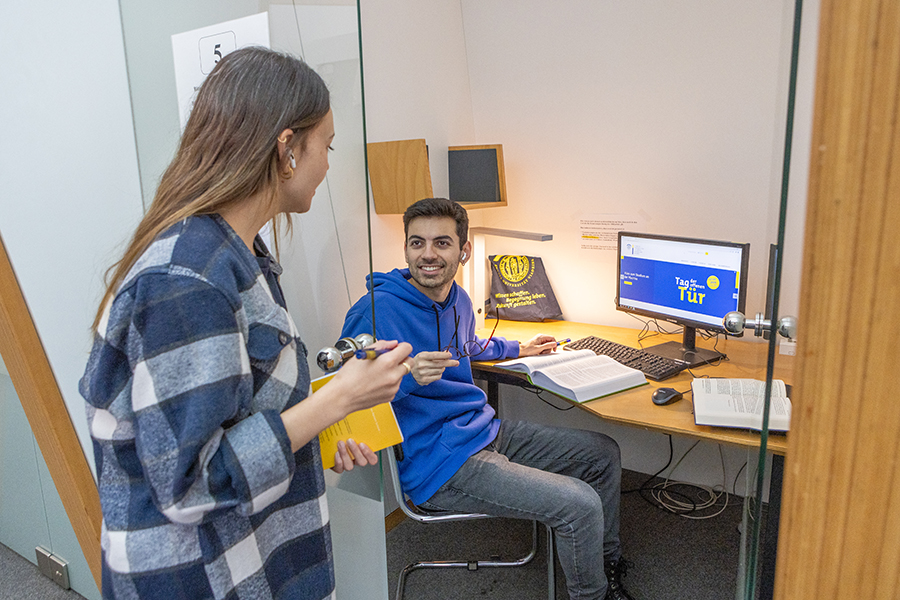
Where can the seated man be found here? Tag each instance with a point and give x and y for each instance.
(457, 456)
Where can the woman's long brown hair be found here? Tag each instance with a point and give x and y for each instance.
(229, 151)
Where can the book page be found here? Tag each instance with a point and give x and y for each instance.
(743, 396)
(586, 372)
(740, 403)
(542, 362)
(578, 375)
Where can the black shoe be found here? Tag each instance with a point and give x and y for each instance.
(615, 571)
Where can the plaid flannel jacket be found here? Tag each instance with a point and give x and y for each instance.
(194, 361)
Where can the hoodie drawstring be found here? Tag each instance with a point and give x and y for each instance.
(454, 339)
(437, 317)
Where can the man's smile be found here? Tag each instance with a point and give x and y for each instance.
(430, 268)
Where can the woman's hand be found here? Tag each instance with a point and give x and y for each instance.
(351, 454)
(358, 385)
(364, 383)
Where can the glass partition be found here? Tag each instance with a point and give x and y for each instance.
(639, 117)
(759, 528)
(325, 258)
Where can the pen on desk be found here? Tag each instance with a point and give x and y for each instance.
(369, 353)
(565, 341)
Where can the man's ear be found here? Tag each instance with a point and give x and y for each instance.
(466, 253)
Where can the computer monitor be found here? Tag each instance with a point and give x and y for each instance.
(689, 282)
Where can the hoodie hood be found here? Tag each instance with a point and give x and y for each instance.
(448, 420)
(397, 283)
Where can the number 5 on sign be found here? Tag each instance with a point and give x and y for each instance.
(196, 52)
(213, 48)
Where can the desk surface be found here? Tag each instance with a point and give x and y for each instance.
(634, 408)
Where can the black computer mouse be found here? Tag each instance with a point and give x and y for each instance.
(666, 395)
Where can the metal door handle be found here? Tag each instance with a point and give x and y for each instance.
(735, 322)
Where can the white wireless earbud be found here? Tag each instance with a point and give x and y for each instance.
(463, 257)
(293, 162)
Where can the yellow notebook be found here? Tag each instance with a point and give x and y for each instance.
(376, 427)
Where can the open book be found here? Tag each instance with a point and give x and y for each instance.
(579, 375)
(376, 427)
(740, 403)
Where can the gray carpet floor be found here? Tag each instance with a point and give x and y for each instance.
(673, 558)
(21, 580)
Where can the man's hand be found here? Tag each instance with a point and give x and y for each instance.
(539, 344)
(429, 366)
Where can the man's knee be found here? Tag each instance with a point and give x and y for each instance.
(607, 449)
(584, 501)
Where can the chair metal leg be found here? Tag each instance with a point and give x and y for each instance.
(474, 565)
(551, 565)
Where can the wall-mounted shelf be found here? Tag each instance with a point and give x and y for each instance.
(512, 233)
(476, 175)
(399, 173)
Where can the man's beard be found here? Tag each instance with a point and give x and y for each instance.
(425, 281)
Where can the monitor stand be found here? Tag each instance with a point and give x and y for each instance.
(686, 351)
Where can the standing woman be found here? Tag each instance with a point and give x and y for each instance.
(204, 438)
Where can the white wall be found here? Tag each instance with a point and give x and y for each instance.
(673, 113)
(68, 172)
(417, 86)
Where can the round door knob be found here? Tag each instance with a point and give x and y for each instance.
(787, 327)
(734, 322)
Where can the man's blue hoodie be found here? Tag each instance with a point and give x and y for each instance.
(448, 420)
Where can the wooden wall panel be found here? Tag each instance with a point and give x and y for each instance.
(840, 532)
(47, 414)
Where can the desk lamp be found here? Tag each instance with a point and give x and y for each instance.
(474, 272)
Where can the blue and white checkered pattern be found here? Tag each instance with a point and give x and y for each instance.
(194, 361)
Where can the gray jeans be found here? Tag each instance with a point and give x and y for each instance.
(569, 479)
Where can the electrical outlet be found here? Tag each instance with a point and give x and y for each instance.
(53, 567)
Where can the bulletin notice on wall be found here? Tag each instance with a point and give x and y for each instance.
(601, 231)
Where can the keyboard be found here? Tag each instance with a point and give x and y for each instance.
(653, 366)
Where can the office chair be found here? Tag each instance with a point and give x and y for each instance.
(427, 516)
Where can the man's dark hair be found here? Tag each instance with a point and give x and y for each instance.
(439, 207)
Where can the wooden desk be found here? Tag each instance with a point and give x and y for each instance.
(747, 359)
(634, 408)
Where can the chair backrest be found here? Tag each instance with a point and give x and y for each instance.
(409, 508)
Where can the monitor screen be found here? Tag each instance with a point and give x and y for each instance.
(690, 282)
